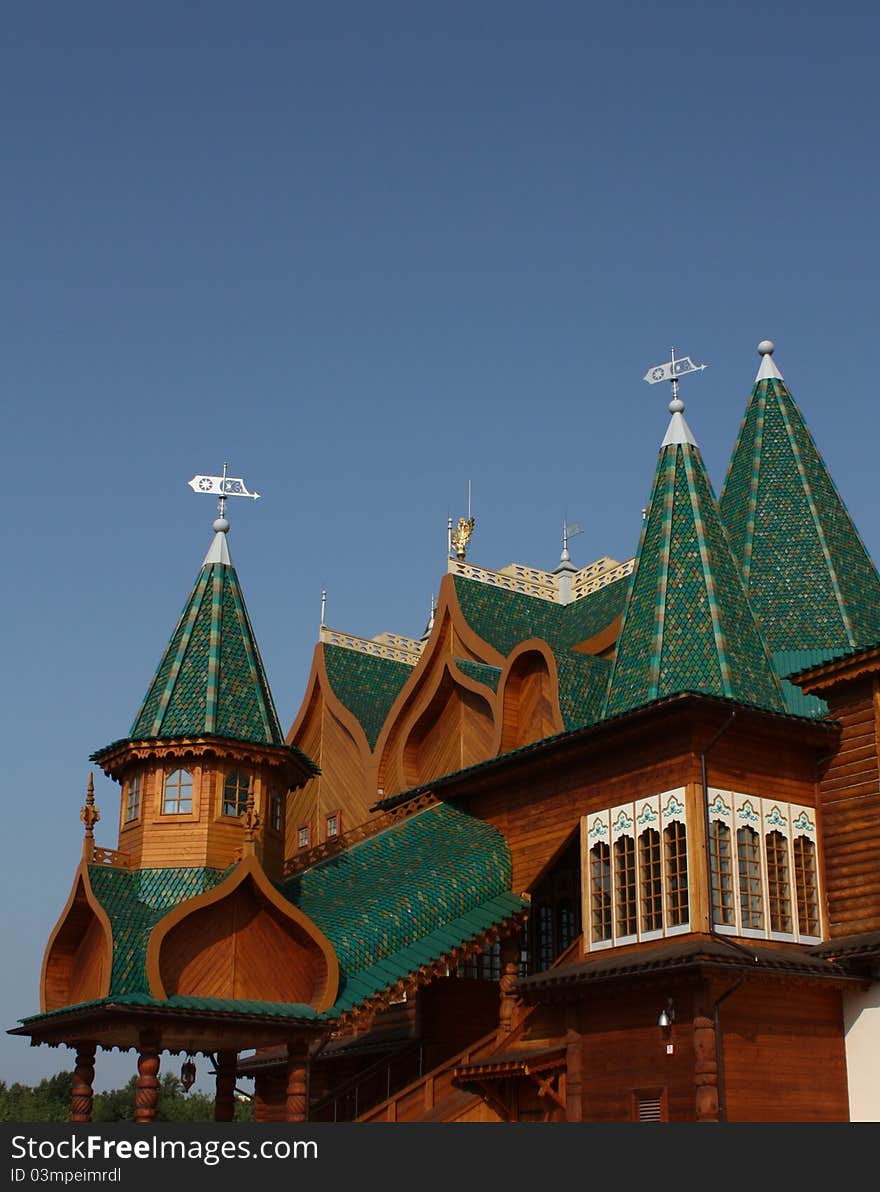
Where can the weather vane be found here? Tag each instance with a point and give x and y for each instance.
(458, 539)
(223, 486)
(671, 371)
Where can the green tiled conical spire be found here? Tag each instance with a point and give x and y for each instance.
(687, 625)
(211, 679)
(810, 580)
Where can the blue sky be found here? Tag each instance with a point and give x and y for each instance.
(366, 253)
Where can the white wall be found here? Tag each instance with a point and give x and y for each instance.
(861, 1020)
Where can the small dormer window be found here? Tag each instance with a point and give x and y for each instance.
(332, 825)
(303, 836)
(177, 793)
(133, 799)
(235, 793)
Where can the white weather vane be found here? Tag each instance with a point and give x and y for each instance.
(671, 371)
(222, 486)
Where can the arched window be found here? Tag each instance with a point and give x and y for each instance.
(675, 840)
(778, 893)
(177, 793)
(626, 903)
(544, 936)
(235, 793)
(806, 886)
(650, 880)
(565, 925)
(723, 910)
(748, 860)
(600, 891)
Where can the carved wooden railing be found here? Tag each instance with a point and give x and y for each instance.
(388, 645)
(338, 844)
(111, 856)
(598, 575)
(528, 581)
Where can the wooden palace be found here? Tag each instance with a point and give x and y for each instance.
(602, 845)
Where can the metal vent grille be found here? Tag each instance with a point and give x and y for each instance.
(649, 1109)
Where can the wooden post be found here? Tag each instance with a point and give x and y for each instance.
(224, 1098)
(83, 1079)
(146, 1094)
(574, 1064)
(705, 1064)
(297, 1106)
(507, 985)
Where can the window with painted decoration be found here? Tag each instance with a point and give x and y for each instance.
(235, 793)
(765, 880)
(133, 799)
(636, 871)
(177, 793)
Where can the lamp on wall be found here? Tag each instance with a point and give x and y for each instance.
(665, 1021)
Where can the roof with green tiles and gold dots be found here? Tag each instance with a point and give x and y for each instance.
(211, 681)
(687, 625)
(810, 579)
(366, 685)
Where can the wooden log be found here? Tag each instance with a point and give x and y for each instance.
(296, 1104)
(146, 1094)
(83, 1080)
(224, 1098)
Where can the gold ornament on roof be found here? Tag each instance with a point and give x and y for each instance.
(461, 536)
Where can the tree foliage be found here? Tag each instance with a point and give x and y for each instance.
(49, 1101)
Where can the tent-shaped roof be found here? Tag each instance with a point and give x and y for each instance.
(687, 625)
(809, 577)
(211, 679)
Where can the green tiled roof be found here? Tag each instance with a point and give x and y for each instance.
(388, 905)
(583, 684)
(481, 671)
(504, 619)
(208, 1005)
(688, 625)
(809, 577)
(366, 685)
(211, 679)
(403, 897)
(135, 901)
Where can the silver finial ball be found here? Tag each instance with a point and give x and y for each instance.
(765, 347)
(676, 406)
(221, 525)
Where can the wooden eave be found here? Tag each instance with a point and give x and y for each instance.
(826, 675)
(116, 758)
(688, 955)
(630, 726)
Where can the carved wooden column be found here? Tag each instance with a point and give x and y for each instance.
(146, 1095)
(705, 1063)
(83, 1079)
(224, 1098)
(507, 985)
(297, 1060)
(574, 1065)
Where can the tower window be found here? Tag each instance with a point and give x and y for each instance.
(177, 793)
(600, 890)
(235, 793)
(806, 886)
(275, 811)
(650, 880)
(675, 840)
(133, 799)
(751, 897)
(723, 910)
(778, 894)
(625, 885)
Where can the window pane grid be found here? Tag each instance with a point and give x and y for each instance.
(722, 873)
(625, 886)
(235, 794)
(806, 886)
(177, 794)
(751, 896)
(133, 799)
(650, 880)
(675, 838)
(600, 891)
(778, 895)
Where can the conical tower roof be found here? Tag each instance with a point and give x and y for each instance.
(809, 577)
(211, 680)
(687, 625)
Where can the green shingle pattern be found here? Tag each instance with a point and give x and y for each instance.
(395, 898)
(504, 619)
(583, 684)
(182, 1002)
(135, 901)
(687, 624)
(366, 685)
(388, 905)
(809, 577)
(480, 671)
(211, 679)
